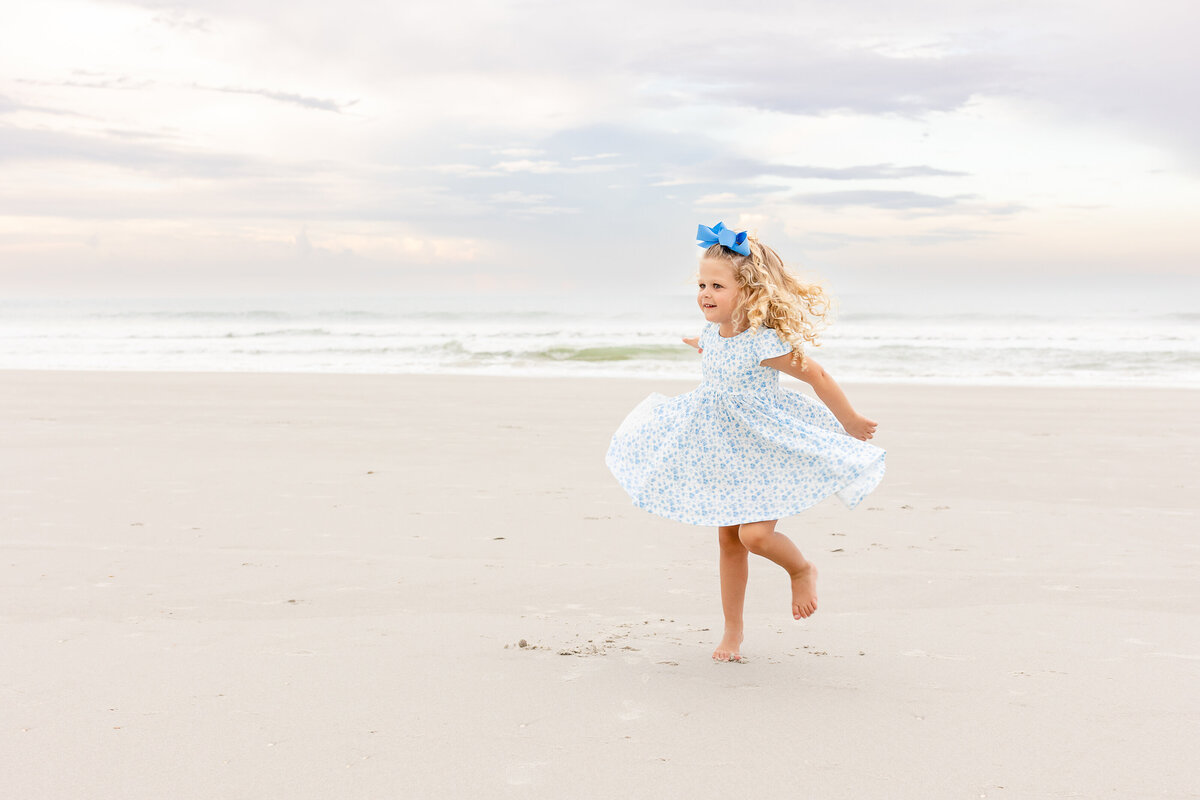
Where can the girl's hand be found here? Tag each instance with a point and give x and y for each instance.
(860, 427)
(693, 341)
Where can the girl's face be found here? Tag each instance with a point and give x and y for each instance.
(718, 294)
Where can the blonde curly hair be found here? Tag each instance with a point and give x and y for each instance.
(769, 295)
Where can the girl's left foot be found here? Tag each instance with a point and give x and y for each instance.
(728, 649)
(804, 592)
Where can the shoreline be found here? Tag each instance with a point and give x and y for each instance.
(933, 383)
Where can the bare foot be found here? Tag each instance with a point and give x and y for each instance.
(804, 592)
(728, 649)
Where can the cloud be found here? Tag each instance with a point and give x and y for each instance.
(719, 199)
(91, 79)
(513, 196)
(733, 169)
(548, 167)
(435, 122)
(860, 172)
(668, 159)
(876, 199)
(522, 204)
(304, 247)
(11, 106)
(949, 234)
(807, 57)
(318, 103)
(796, 58)
(832, 240)
(780, 76)
(824, 240)
(903, 201)
(383, 247)
(181, 19)
(39, 145)
(1130, 70)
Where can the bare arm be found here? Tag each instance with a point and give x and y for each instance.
(830, 393)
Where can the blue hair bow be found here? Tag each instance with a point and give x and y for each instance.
(719, 234)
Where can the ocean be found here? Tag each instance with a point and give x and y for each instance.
(874, 338)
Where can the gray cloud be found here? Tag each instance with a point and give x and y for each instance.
(1133, 72)
(10, 106)
(697, 158)
(815, 241)
(902, 201)
(876, 199)
(830, 240)
(679, 53)
(141, 135)
(270, 199)
(744, 169)
(622, 160)
(91, 79)
(949, 235)
(181, 19)
(1114, 65)
(100, 80)
(782, 74)
(319, 103)
(28, 144)
(858, 173)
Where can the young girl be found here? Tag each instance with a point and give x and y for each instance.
(740, 451)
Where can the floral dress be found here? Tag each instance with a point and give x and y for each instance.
(739, 447)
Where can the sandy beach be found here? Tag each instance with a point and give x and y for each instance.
(317, 586)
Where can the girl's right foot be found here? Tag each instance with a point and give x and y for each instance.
(730, 647)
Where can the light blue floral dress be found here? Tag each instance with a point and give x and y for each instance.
(739, 447)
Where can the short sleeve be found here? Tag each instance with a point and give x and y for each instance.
(707, 332)
(767, 344)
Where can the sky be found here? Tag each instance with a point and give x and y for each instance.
(223, 147)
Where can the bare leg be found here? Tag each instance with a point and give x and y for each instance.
(762, 539)
(735, 570)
